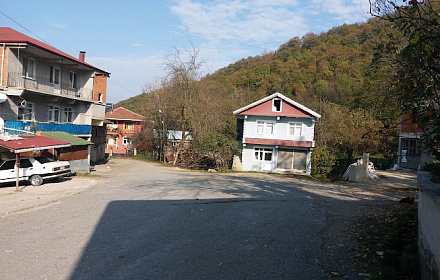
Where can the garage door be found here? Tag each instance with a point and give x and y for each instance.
(289, 159)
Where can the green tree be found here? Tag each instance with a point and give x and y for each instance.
(418, 71)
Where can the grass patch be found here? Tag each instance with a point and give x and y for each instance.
(388, 243)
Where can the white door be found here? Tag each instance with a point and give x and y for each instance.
(267, 159)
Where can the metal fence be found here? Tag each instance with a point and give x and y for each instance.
(43, 84)
(16, 127)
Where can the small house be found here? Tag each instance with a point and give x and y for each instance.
(276, 134)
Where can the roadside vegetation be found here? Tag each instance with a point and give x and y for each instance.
(388, 243)
(357, 76)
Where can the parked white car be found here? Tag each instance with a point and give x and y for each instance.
(33, 169)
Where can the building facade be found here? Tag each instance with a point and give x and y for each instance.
(411, 154)
(276, 134)
(45, 89)
(122, 125)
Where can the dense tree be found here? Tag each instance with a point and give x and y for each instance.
(345, 74)
(417, 61)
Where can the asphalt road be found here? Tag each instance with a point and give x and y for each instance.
(142, 221)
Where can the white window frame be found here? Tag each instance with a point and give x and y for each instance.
(261, 153)
(55, 75)
(126, 141)
(68, 114)
(274, 109)
(100, 97)
(28, 113)
(54, 113)
(296, 126)
(264, 126)
(74, 80)
(129, 126)
(111, 141)
(29, 67)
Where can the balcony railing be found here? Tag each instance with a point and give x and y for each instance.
(17, 127)
(43, 84)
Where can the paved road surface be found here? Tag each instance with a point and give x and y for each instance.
(142, 221)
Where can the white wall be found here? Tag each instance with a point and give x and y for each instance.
(281, 128)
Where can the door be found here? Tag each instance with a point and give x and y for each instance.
(285, 159)
(299, 160)
(267, 159)
(291, 160)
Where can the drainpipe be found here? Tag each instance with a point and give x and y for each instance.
(3, 59)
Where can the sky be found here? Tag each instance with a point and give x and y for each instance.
(131, 39)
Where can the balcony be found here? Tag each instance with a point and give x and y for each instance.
(42, 84)
(19, 127)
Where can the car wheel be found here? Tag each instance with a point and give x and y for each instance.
(36, 180)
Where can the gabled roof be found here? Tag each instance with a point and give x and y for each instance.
(123, 114)
(9, 35)
(281, 96)
(25, 143)
(66, 137)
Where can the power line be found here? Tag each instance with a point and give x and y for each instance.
(1, 12)
(193, 32)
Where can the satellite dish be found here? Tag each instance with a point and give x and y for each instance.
(23, 103)
(114, 126)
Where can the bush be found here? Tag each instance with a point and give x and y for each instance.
(322, 162)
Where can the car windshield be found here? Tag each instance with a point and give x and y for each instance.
(42, 159)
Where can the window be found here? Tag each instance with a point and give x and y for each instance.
(68, 114)
(54, 113)
(295, 129)
(8, 165)
(111, 141)
(129, 126)
(73, 80)
(276, 105)
(28, 67)
(26, 112)
(126, 141)
(266, 128)
(411, 145)
(263, 154)
(25, 163)
(100, 97)
(54, 75)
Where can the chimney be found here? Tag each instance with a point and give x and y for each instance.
(82, 55)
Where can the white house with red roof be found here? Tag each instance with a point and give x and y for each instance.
(276, 134)
(122, 124)
(45, 89)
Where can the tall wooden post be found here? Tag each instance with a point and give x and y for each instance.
(17, 172)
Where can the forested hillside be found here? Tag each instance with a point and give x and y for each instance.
(343, 74)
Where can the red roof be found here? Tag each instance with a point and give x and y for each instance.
(279, 142)
(31, 142)
(9, 35)
(289, 108)
(121, 113)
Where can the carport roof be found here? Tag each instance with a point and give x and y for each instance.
(25, 143)
(64, 136)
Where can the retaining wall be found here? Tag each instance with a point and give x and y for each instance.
(429, 227)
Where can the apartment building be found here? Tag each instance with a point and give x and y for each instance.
(45, 89)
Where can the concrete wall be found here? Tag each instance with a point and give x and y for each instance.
(79, 165)
(429, 227)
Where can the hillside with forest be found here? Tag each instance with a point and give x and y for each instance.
(345, 74)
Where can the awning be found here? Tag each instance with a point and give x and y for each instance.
(26, 143)
(66, 137)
